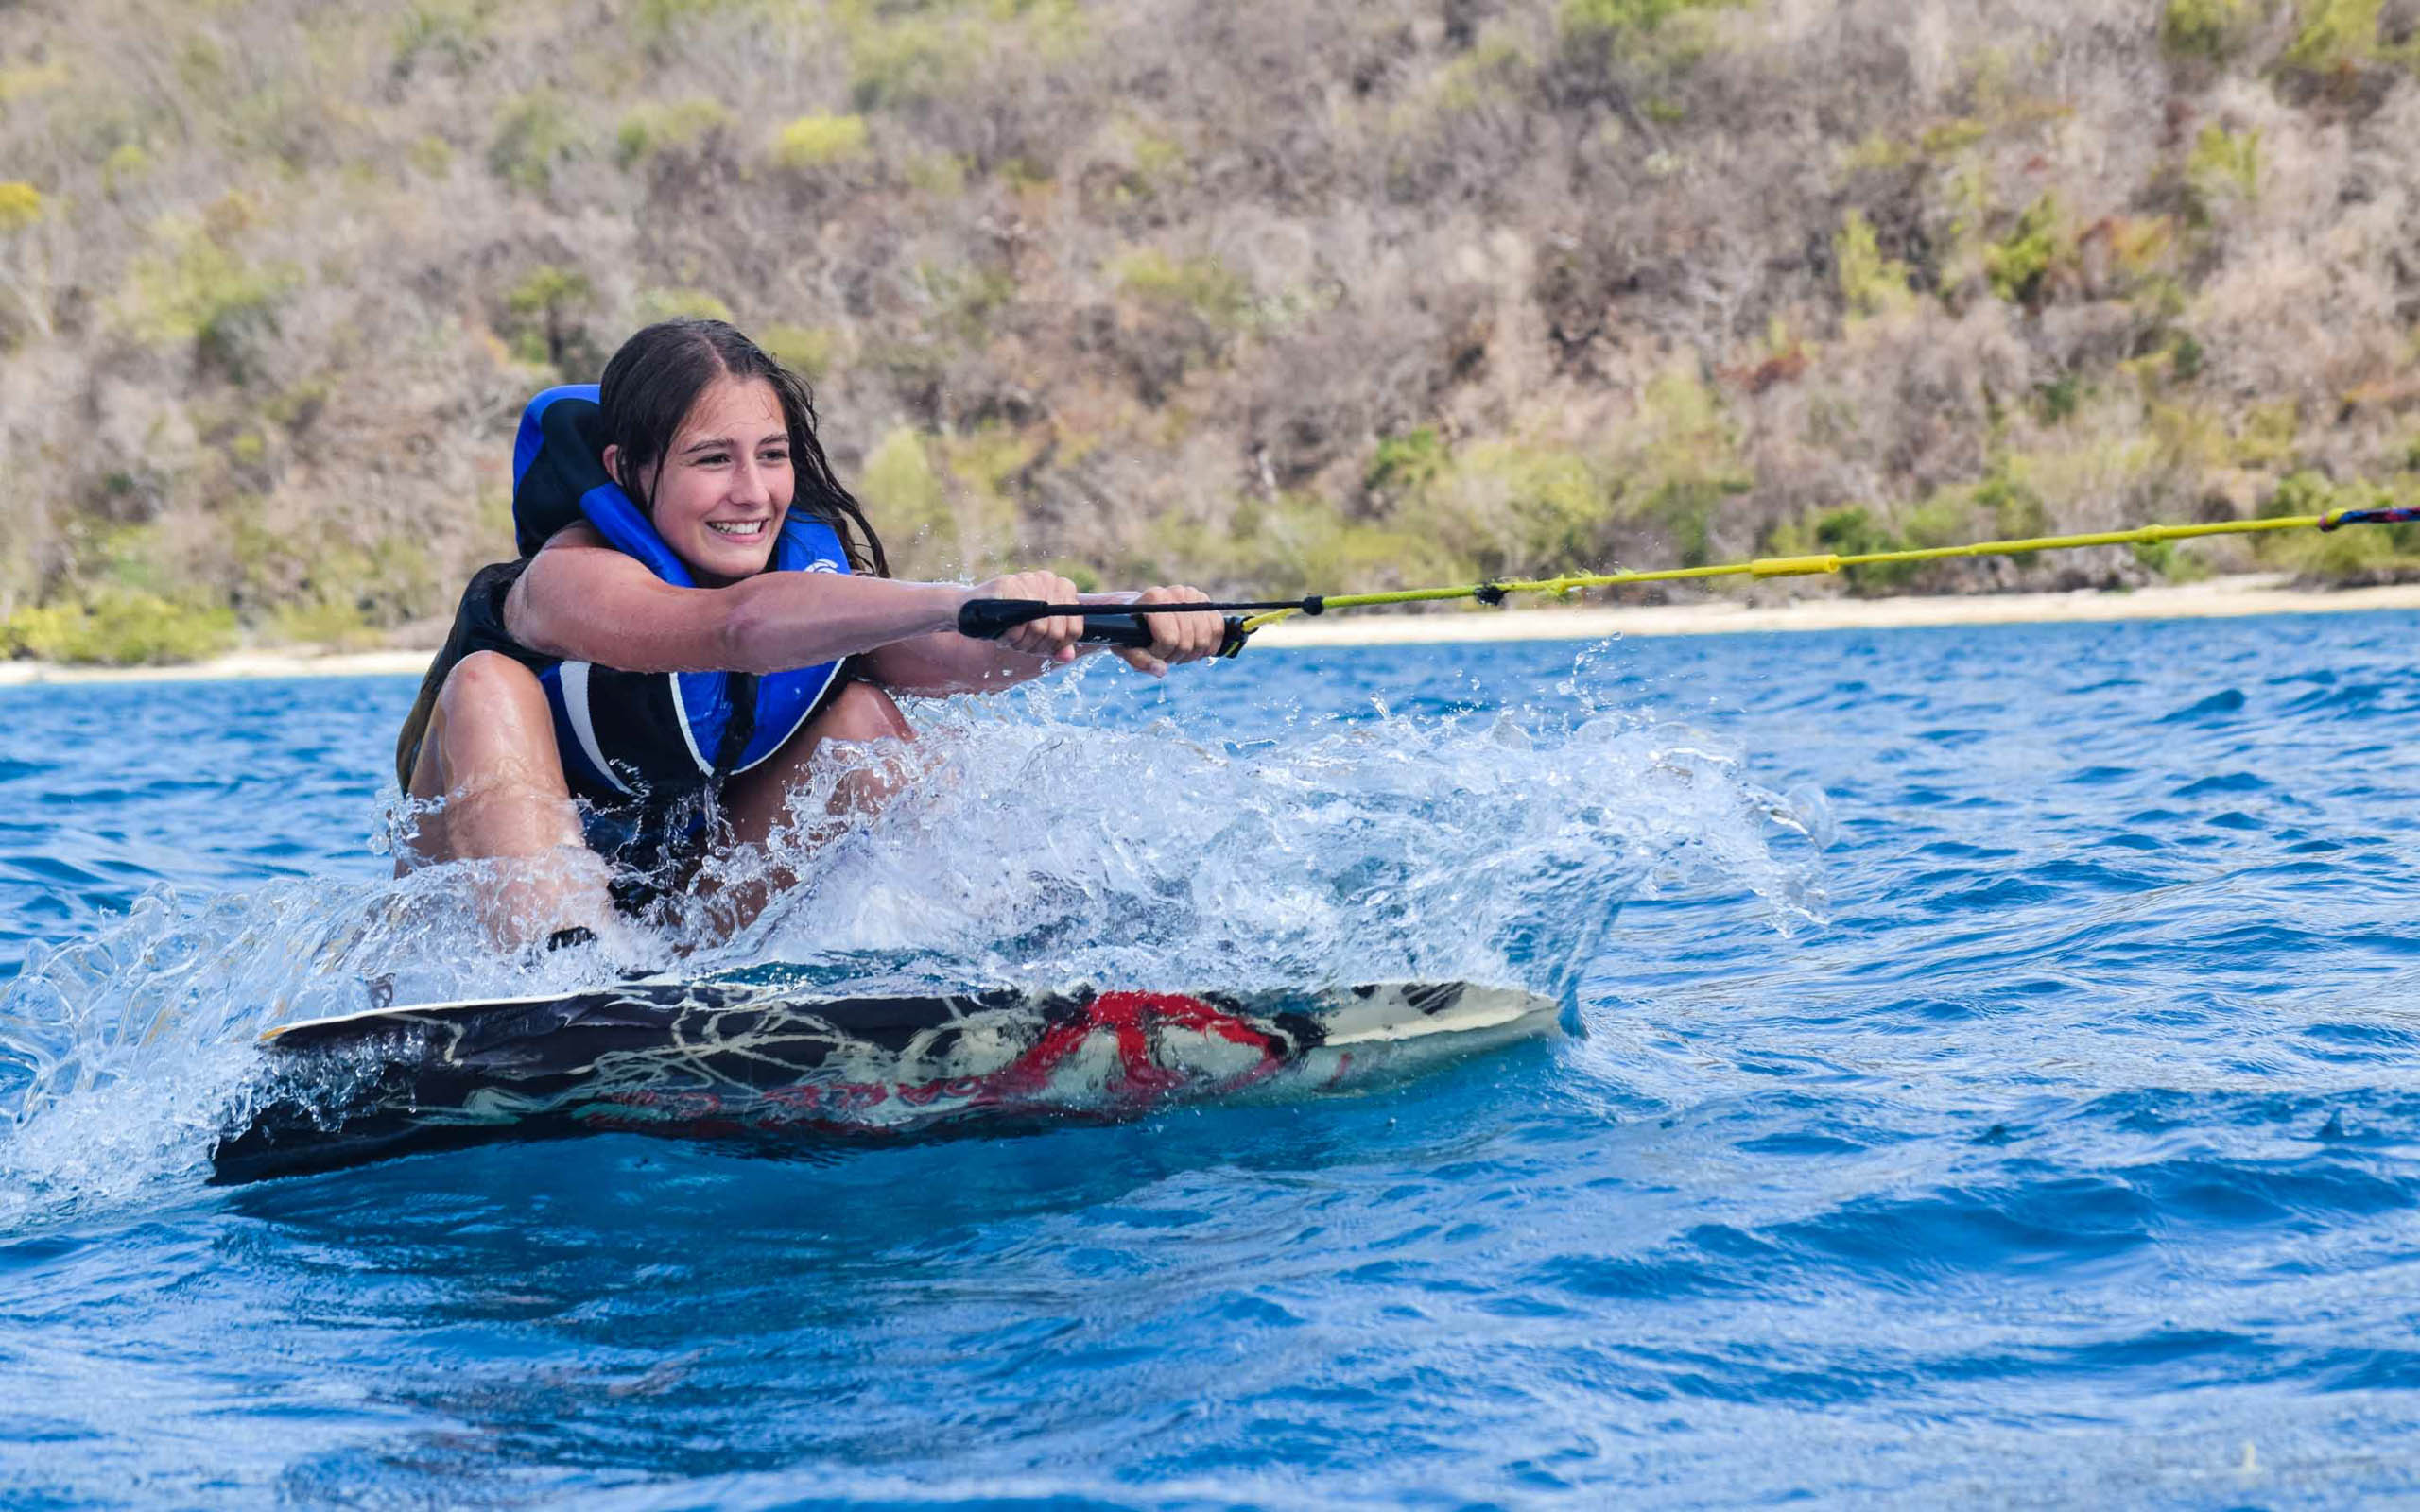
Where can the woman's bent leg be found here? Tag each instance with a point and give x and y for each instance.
(757, 803)
(490, 755)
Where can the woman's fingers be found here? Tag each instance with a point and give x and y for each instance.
(1175, 638)
(1172, 634)
(1052, 638)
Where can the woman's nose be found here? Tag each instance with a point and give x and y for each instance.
(747, 483)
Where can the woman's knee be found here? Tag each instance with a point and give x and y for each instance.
(492, 718)
(488, 684)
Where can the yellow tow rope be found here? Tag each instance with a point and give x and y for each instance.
(1494, 593)
(990, 618)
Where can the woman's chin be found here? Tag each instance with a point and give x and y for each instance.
(727, 561)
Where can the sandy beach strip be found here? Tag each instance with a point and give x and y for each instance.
(2256, 593)
(281, 662)
(2218, 597)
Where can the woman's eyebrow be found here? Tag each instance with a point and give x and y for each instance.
(709, 443)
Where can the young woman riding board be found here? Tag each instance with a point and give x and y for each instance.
(699, 608)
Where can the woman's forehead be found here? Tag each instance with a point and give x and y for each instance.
(734, 406)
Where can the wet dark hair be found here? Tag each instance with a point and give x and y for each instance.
(658, 374)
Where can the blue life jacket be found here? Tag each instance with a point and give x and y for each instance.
(624, 734)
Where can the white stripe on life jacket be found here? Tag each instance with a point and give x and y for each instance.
(574, 677)
(680, 712)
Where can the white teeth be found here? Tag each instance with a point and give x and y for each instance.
(741, 527)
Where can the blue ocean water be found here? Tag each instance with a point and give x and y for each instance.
(1996, 1088)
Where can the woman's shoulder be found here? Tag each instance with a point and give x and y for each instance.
(578, 534)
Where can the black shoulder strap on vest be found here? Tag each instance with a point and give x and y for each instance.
(740, 689)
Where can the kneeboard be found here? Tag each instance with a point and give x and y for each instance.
(714, 1060)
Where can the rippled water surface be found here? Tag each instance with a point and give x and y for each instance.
(1995, 1087)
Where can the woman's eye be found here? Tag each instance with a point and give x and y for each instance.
(711, 458)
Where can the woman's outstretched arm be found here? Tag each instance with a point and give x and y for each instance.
(582, 599)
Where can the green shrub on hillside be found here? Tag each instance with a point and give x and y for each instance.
(1681, 461)
(656, 19)
(1520, 509)
(192, 287)
(1853, 530)
(2019, 263)
(965, 300)
(2354, 555)
(450, 33)
(1947, 519)
(1878, 151)
(132, 557)
(2016, 511)
(1612, 17)
(1161, 161)
(120, 627)
(989, 459)
(125, 163)
(1494, 69)
(1203, 285)
(2332, 35)
(2171, 560)
(657, 125)
(1299, 544)
(1943, 139)
(897, 61)
(941, 175)
(317, 585)
(2215, 31)
(1871, 284)
(329, 620)
(20, 204)
(535, 134)
(2223, 165)
(2056, 400)
(550, 291)
(807, 350)
(819, 141)
(673, 304)
(431, 155)
(904, 497)
(544, 312)
(25, 81)
(2269, 435)
(2309, 491)
(1407, 463)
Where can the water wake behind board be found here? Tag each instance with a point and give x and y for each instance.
(726, 1060)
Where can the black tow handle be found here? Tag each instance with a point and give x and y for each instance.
(988, 619)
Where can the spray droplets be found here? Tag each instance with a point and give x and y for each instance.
(1033, 841)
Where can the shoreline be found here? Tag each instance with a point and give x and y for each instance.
(2217, 598)
(2240, 596)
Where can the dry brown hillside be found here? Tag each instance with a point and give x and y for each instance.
(1268, 294)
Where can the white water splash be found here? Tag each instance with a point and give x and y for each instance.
(1032, 846)
(1390, 850)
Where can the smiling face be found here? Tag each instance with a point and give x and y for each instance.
(718, 495)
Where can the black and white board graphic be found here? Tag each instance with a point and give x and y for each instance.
(709, 1059)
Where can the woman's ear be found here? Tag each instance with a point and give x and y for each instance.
(611, 459)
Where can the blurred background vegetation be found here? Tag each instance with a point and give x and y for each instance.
(1267, 294)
